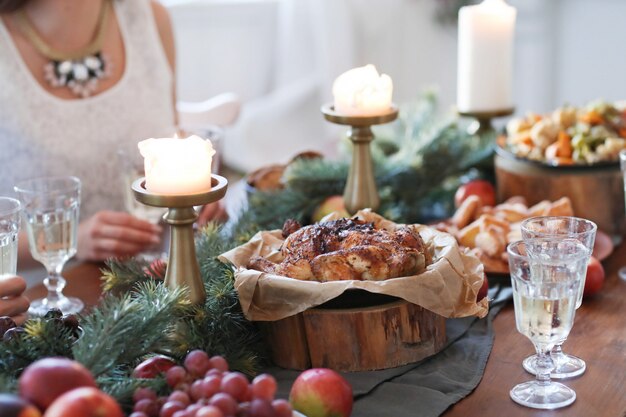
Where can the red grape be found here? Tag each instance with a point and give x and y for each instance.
(149, 407)
(213, 372)
(282, 408)
(175, 375)
(211, 385)
(144, 393)
(235, 384)
(181, 413)
(170, 407)
(197, 362)
(179, 396)
(219, 363)
(209, 411)
(193, 409)
(264, 386)
(261, 408)
(224, 402)
(197, 390)
(138, 414)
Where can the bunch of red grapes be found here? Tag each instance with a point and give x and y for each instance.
(205, 388)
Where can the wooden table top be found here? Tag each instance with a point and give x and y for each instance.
(598, 336)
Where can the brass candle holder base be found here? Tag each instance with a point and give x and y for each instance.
(360, 191)
(182, 266)
(482, 120)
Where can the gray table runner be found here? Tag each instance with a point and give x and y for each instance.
(426, 388)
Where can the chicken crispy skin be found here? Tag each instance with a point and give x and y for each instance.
(347, 249)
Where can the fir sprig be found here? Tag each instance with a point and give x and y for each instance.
(122, 329)
(42, 338)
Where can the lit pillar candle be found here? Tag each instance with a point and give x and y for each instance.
(362, 92)
(177, 166)
(485, 56)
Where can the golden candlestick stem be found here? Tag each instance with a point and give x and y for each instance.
(182, 266)
(360, 191)
(482, 120)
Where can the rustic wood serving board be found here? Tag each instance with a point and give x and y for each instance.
(356, 339)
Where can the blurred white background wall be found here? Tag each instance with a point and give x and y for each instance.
(281, 56)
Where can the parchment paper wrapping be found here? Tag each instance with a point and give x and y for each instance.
(448, 287)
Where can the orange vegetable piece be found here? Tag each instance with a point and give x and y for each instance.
(592, 117)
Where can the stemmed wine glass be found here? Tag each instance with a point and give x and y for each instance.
(9, 227)
(622, 158)
(562, 227)
(545, 287)
(51, 208)
(131, 168)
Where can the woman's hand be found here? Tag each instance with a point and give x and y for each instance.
(212, 212)
(12, 302)
(109, 234)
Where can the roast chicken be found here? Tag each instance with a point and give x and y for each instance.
(346, 249)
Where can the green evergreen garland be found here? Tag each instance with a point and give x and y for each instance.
(419, 162)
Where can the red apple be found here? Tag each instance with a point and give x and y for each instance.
(482, 292)
(84, 402)
(46, 379)
(14, 406)
(321, 392)
(481, 188)
(330, 205)
(152, 367)
(594, 278)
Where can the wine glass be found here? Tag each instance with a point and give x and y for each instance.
(9, 227)
(131, 168)
(563, 227)
(545, 288)
(622, 158)
(51, 208)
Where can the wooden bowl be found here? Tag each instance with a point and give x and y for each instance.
(596, 191)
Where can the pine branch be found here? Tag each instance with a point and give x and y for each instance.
(122, 329)
(121, 275)
(42, 338)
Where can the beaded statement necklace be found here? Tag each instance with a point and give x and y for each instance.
(81, 70)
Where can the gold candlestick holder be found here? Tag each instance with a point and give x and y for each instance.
(182, 266)
(360, 191)
(482, 120)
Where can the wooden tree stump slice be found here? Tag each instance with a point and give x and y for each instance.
(356, 339)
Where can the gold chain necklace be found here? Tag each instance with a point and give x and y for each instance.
(79, 70)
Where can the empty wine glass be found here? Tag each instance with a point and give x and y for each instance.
(564, 227)
(9, 227)
(622, 159)
(545, 288)
(51, 209)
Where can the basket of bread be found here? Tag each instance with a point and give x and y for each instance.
(356, 293)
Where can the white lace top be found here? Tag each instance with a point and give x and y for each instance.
(42, 135)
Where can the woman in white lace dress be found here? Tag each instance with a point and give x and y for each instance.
(78, 81)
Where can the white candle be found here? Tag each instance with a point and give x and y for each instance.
(177, 166)
(362, 92)
(485, 56)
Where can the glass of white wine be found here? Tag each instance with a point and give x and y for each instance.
(51, 209)
(564, 227)
(9, 228)
(545, 288)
